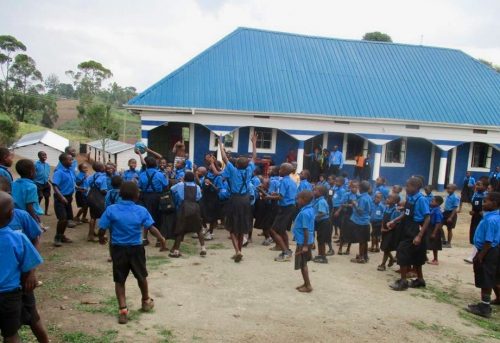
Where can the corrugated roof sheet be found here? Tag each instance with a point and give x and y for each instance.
(264, 71)
(112, 146)
(45, 137)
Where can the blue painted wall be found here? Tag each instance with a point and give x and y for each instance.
(462, 161)
(201, 143)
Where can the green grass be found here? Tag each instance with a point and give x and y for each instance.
(154, 262)
(443, 332)
(166, 336)
(216, 246)
(491, 326)
(25, 128)
(108, 307)
(108, 336)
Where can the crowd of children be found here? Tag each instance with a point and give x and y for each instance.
(172, 200)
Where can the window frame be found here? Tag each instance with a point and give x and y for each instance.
(489, 156)
(345, 146)
(394, 164)
(274, 135)
(234, 148)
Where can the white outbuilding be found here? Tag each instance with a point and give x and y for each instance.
(30, 144)
(115, 151)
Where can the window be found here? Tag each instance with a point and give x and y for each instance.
(266, 140)
(394, 153)
(480, 157)
(230, 141)
(353, 145)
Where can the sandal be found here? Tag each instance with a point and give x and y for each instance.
(147, 305)
(203, 252)
(238, 257)
(175, 254)
(123, 316)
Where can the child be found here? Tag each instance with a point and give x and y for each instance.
(336, 201)
(210, 202)
(180, 169)
(63, 182)
(486, 240)
(321, 223)
(389, 238)
(97, 187)
(263, 212)
(435, 225)
(81, 193)
(110, 170)
(344, 213)
(187, 194)
(376, 216)
(131, 174)
(322, 181)
(428, 193)
(113, 195)
(295, 177)
(6, 161)
(303, 231)
(346, 177)
(380, 187)
(18, 262)
(42, 172)
(359, 222)
(477, 215)
(467, 189)
(127, 220)
(304, 184)
(397, 189)
(25, 191)
(450, 212)
(412, 247)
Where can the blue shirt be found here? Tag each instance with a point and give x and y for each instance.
(256, 183)
(98, 180)
(382, 189)
(80, 179)
(469, 181)
(338, 194)
(452, 202)
(436, 216)
(274, 184)
(126, 220)
(178, 192)
(180, 173)
(377, 213)
(158, 181)
(421, 209)
(25, 192)
(42, 172)
(321, 209)
(361, 212)
(223, 187)
(392, 211)
(6, 174)
(18, 256)
(336, 158)
(429, 197)
(239, 179)
(349, 196)
(131, 175)
(73, 168)
(304, 185)
(24, 222)
(304, 220)
(112, 197)
(287, 191)
(64, 179)
(488, 230)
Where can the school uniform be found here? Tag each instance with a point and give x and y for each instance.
(467, 189)
(359, 222)
(223, 195)
(487, 273)
(382, 189)
(64, 179)
(98, 184)
(18, 256)
(494, 179)
(477, 209)
(335, 162)
(429, 197)
(210, 202)
(304, 185)
(179, 173)
(376, 217)
(436, 217)
(42, 173)
(112, 197)
(452, 202)
(127, 220)
(347, 235)
(322, 220)
(186, 198)
(131, 175)
(5, 172)
(25, 192)
(152, 183)
(274, 188)
(24, 222)
(81, 191)
(73, 168)
(336, 203)
(416, 210)
(286, 205)
(304, 220)
(389, 238)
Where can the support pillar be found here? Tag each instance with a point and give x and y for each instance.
(377, 161)
(145, 136)
(300, 157)
(443, 161)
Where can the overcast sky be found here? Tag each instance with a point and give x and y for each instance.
(142, 41)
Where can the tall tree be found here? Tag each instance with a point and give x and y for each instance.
(88, 80)
(52, 84)
(99, 122)
(377, 36)
(8, 129)
(9, 46)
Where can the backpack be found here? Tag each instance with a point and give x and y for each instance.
(190, 209)
(166, 204)
(96, 200)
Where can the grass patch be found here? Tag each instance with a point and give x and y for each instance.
(166, 336)
(188, 247)
(108, 336)
(216, 246)
(491, 326)
(445, 295)
(108, 307)
(443, 332)
(154, 262)
(25, 128)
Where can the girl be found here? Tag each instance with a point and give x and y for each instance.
(467, 189)
(435, 227)
(322, 223)
(389, 234)
(359, 222)
(345, 212)
(477, 215)
(81, 193)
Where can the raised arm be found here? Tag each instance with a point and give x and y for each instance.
(254, 146)
(154, 153)
(222, 151)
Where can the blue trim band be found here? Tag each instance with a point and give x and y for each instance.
(153, 122)
(144, 134)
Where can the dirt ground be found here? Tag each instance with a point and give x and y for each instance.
(213, 299)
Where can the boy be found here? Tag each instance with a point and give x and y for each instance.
(97, 187)
(380, 187)
(127, 220)
(304, 184)
(344, 213)
(389, 235)
(476, 214)
(113, 195)
(412, 247)
(81, 193)
(131, 174)
(63, 182)
(25, 191)
(434, 233)
(303, 231)
(74, 165)
(180, 169)
(6, 160)
(486, 240)
(428, 193)
(450, 212)
(376, 216)
(336, 202)
(110, 170)
(42, 172)
(321, 222)
(360, 222)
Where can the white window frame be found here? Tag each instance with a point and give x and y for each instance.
(393, 164)
(488, 159)
(272, 150)
(234, 148)
(344, 149)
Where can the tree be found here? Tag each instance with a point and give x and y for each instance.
(117, 95)
(377, 37)
(47, 105)
(52, 84)
(9, 46)
(491, 65)
(66, 90)
(8, 129)
(88, 80)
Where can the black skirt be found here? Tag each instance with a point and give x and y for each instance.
(284, 218)
(209, 207)
(323, 231)
(376, 229)
(434, 243)
(151, 201)
(81, 199)
(239, 214)
(409, 254)
(474, 222)
(389, 241)
(349, 232)
(466, 194)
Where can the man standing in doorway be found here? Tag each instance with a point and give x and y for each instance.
(335, 161)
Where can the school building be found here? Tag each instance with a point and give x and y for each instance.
(416, 110)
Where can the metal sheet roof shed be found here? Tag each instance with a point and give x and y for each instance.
(117, 152)
(30, 144)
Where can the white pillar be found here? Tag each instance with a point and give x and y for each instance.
(300, 157)
(377, 161)
(443, 161)
(453, 165)
(191, 142)
(325, 141)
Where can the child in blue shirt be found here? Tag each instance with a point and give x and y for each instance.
(304, 184)
(321, 222)
(451, 207)
(477, 215)
(303, 231)
(127, 220)
(6, 161)
(428, 193)
(81, 193)
(360, 222)
(389, 235)
(434, 243)
(97, 187)
(25, 191)
(344, 213)
(380, 187)
(338, 191)
(110, 169)
(42, 173)
(376, 216)
(63, 182)
(131, 174)
(113, 195)
(467, 189)
(486, 262)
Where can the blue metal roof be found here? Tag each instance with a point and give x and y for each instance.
(264, 71)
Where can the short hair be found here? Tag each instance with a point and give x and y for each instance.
(129, 190)
(5, 184)
(24, 167)
(396, 197)
(40, 153)
(132, 160)
(398, 187)
(306, 173)
(415, 181)
(382, 179)
(67, 149)
(98, 166)
(494, 197)
(116, 181)
(150, 161)
(322, 190)
(364, 186)
(189, 176)
(81, 165)
(63, 157)
(4, 152)
(287, 166)
(452, 186)
(422, 179)
(439, 199)
(306, 195)
(242, 162)
(428, 188)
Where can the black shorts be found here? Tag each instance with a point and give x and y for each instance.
(29, 313)
(11, 305)
(126, 259)
(446, 215)
(486, 273)
(284, 219)
(81, 200)
(43, 190)
(324, 231)
(377, 229)
(301, 258)
(63, 212)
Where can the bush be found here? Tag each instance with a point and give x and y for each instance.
(8, 129)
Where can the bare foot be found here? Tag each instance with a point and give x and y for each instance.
(238, 257)
(305, 289)
(297, 288)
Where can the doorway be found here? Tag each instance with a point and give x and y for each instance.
(163, 138)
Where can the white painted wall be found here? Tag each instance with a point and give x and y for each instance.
(31, 152)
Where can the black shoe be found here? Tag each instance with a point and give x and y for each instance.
(330, 252)
(399, 285)
(57, 242)
(480, 309)
(320, 259)
(417, 283)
